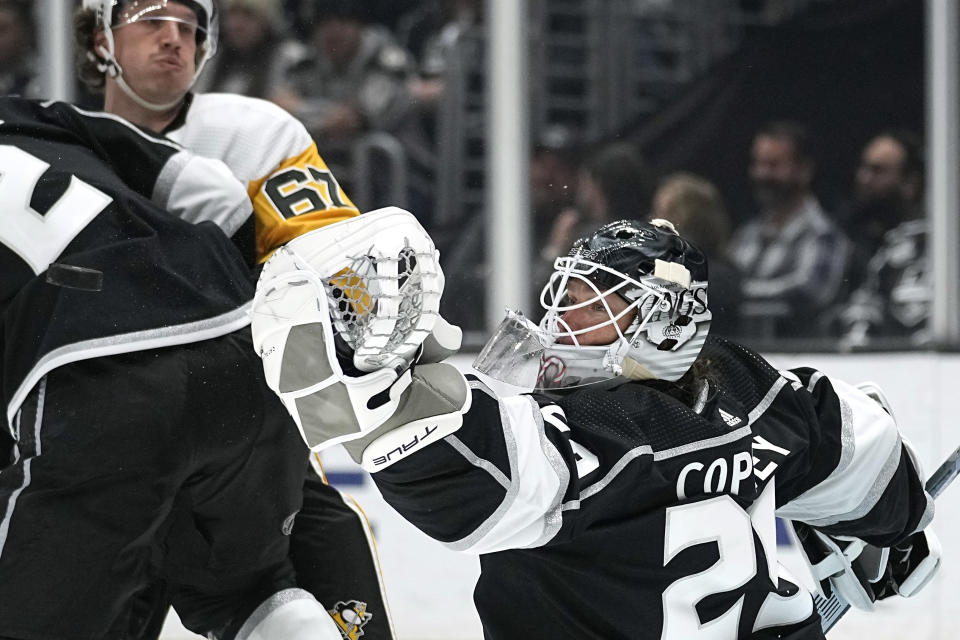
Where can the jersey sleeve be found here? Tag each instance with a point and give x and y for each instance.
(290, 186)
(498, 483)
(856, 476)
(201, 189)
(298, 195)
(186, 185)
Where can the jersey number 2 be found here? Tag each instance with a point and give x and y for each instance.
(732, 531)
(38, 238)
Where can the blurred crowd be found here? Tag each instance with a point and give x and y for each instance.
(856, 274)
(362, 74)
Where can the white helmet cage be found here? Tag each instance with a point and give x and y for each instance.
(108, 11)
(663, 279)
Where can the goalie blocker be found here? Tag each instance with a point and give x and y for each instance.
(862, 573)
(340, 315)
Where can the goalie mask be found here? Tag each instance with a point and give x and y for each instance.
(115, 14)
(630, 299)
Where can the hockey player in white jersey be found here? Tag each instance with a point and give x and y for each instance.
(633, 493)
(145, 56)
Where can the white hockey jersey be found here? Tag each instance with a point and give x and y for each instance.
(289, 184)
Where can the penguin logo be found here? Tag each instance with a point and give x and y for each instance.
(350, 617)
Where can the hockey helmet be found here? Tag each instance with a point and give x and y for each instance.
(113, 14)
(661, 277)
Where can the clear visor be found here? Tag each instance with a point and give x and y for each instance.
(519, 354)
(158, 12)
(513, 353)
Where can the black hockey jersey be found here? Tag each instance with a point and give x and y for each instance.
(92, 262)
(618, 512)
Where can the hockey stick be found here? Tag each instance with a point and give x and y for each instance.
(833, 608)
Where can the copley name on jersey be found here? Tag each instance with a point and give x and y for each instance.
(726, 474)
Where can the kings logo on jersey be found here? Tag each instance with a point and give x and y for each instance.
(351, 617)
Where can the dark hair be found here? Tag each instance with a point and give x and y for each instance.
(20, 11)
(687, 388)
(796, 133)
(624, 178)
(84, 34)
(913, 158)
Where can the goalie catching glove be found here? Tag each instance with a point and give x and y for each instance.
(339, 315)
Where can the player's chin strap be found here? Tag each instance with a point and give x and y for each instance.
(108, 64)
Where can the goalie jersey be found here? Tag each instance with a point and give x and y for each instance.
(291, 188)
(615, 511)
(92, 262)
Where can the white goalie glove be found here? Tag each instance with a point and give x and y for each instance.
(863, 573)
(339, 316)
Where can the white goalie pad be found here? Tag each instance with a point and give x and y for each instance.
(344, 280)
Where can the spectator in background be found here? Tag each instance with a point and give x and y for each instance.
(792, 255)
(887, 190)
(553, 176)
(17, 65)
(893, 289)
(614, 183)
(355, 79)
(431, 32)
(695, 207)
(253, 50)
(894, 299)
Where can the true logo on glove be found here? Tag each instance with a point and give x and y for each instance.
(402, 450)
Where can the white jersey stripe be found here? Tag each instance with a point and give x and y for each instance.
(767, 400)
(870, 456)
(477, 461)
(530, 512)
(12, 501)
(127, 342)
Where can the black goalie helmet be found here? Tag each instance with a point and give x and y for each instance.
(631, 249)
(654, 327)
